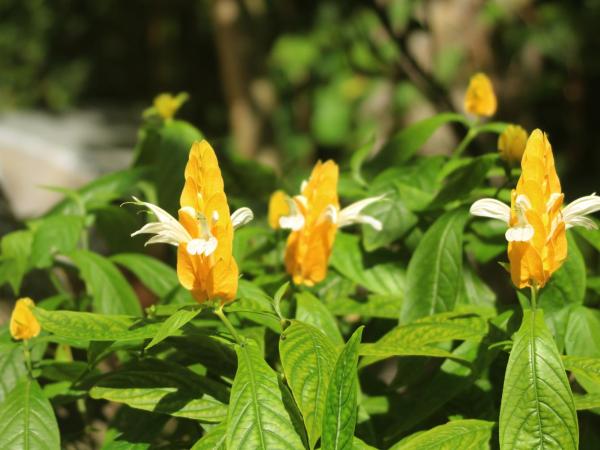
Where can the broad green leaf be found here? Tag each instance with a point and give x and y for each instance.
(308, 358)
(133, 429)
(469, 434)
(173, 324)
(160, 278)
(257, 417)
(475, 291)
(383, 306)
(12, 367)
(27, 421)
(434, 274)
(165, 388)
(339, 418)
(312, 311)
(587, 401)
(56, 234)
(416, 338)
(588, 367)
(14, 258)
(214, 439)
(256, 305)
(95, 327)
(409, 140)
(592, 237)
(537, 409)
(583, 332)
(111, 292)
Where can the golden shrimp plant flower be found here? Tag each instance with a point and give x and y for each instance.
(480, 99)
(511, 144)
(536, 219)
(23, 324)
(314, 217)
(203, 232)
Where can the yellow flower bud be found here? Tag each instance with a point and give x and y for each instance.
(166, 105)
(23, 324)
(278, 207)
(511, 144)
(480, 99)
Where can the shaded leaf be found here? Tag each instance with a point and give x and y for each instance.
(56, 234)
(467, 434)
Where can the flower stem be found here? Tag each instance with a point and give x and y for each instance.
(221, 315)
(27, 355)
(534, 295)
(465, 142)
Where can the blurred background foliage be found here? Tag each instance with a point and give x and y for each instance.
(295, 80)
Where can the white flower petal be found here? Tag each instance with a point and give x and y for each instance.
(241, 217)
(574, 212)
(351, 214)
(210, 246)
(168, 228)
(294, 223)
(581, 221)
(368, 220)
(331, 213)
(196, 246)
(491, 208)
(519, 234)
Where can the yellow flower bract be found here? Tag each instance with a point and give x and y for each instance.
(278, 207)
(480, 99)
(23, 324)
(511, 144)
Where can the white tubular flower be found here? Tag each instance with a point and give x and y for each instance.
(167, 230)
(352, 214)
(241, 217)
(293, 222)
(492, 209)
(574, 213)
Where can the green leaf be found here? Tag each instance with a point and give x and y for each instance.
(257, 417)
(14, 259)
(12, 367)
(312, 311)
(583, 332)
(214, 439)
(416, 338)
(434, 274)
(160, 278)
(173, 324)
(409, 140)
(467, 434)
(339, 418)
(95, 327)
(308, 358)
(115, 224)
(27, 420)
(383, 306)
(111, 292)
(537, 409)
(165, 388)
(56, 234)
(256, 305)
(588, 401)
(588, 367)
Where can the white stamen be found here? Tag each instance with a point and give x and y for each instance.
(294, 222)
(574, 213)
(491, 208)
(352, 214)
(241, 217)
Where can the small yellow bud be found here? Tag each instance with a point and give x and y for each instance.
(278, 207)
(480, 98)
(23, 324)
(166, 105)
(511, 144)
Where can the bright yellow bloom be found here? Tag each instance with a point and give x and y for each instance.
(204, 231)
(23, 324)
(511, 144)
(279, 207)
(537, 243)
(480, 99)
(314, 217)
(166, 105)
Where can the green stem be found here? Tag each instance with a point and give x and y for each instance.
(465, 142)
(221, 315)
(27, 355)
(534, 295)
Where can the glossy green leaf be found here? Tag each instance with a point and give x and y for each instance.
(311, 310)
(587, 401)
(27, 421)
(588, 367)
(160, 278)
(308, 358)
(467, 434)
(172, 325)
(214, 439)
(256, 305)
(12, 367)
(257, 417)
(434, 274)
(56, 234)
(95, 327)
(416, 338)
(583, 332)
(166, 388)
(537, 409)
(340, 414)
(383, 306)
(14, 258)
(111, 292)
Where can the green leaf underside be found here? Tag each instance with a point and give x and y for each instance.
(95, 327)
(434, 274)
(340, 414)
(308, 358)
(416, 338)
(172, 325)
(166, 388)
(469, 434)
(27, 420)
(257, 417)
(537, 409)
(111, 292)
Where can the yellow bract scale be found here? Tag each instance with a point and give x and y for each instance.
(279, 206)
(23, 324)
(480, 99)
(511, 144)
